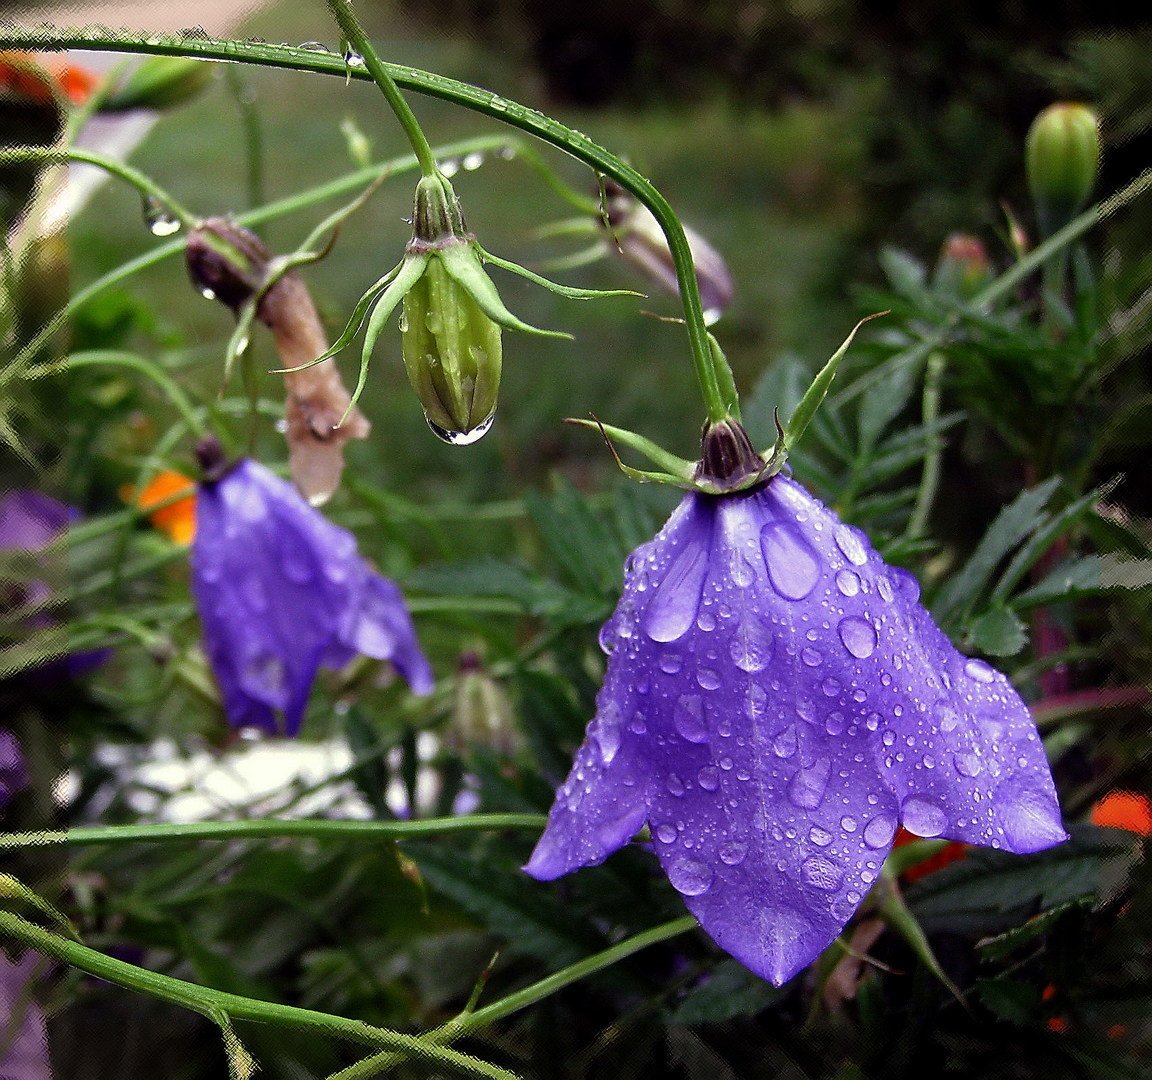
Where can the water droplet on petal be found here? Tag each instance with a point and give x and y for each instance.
(792, 565)
(786, 743)
(707, 678)
(689, 719)
(750, 646)
(733, 853)
(755, 702)
(968, 765)
(848, 582)
(835, 723)
(708, 778)
(848, 824)
(808, 786)
(980, 671)
(884, 588)
(461, 438)
(922, 817)
(820, 837)
(859, 636)
(947, 717)
(675, 785)
(690, 877)
(605, 729)
(1031, 819)
(811, 657)
(666, 834)
(849, 543)
(879, 831)
(672, 610)
(671, 663)
(822, 873)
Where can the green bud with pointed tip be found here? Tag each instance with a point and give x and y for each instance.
(159, 82)
(452, 355)
(1063, 158)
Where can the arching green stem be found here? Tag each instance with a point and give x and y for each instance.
(500, 108)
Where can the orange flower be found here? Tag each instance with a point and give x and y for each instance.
(177, 519)
(1124, 810)
(33, 77)
(955, 850)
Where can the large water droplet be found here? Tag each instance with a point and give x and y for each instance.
(675, 786)
(848, 582)
(879, 831)
(673, 609)
(922, 817)
(849, 543)
(313, 46)
(755, 702)
(689, 876)
(462, 438)
(708, 778)
(159, 219)
(671, 663)
(353, 59)
(792, 565)
(1031, 819)
(733, 853)
(808, 786)
(605, 729)
(751, 646)
(707, 678)
(822, 873)
(820, 837)
(666, 834)
(947, 717)
(689, 719)
(968, 765)
(786, 743)
(473, 161)
(859, 636)
(811, 657)
(980, 671)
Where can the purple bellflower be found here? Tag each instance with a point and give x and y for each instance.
(13, 775)
(282, 591)
(776, 703)
(23, 1038)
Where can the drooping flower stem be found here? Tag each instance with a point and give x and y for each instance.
(214, 1003)
(572, 142)
(358, 41)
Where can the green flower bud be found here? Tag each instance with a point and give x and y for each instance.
(1063, 157)
(451, 351)
(963, 268)
(159, 82)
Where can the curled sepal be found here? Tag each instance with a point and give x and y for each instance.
(462, 261)
(814, 395)
(355, 322)
(676, 471)
(569, 291)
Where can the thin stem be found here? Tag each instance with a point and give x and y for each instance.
(930, 476)
(265, 829)
(142, 183)
(253, 135)
(210, 1003)
(470, 1020)
(358, 40)
(572, 142)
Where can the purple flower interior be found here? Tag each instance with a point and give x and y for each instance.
(776, 703)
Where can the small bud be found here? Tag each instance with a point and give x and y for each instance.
(1063, 158)
(963, 268)
(159, 82)
(482, 715)
(226, 261)
(642, 243)
(451, 351)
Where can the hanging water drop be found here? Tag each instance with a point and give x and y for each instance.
(472, 161)
(461, 438)
(159, 219)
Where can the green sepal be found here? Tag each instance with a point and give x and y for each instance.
(462, 261)
(410, 271)
(725, 378)
(561, 290)
(677, 470)
(815, 394)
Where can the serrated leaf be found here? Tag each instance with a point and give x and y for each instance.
(1066, 581)
(1014, 522)
(981, 889)
(1003, 945)
(532, 921)
(729, 992)
(998, 632)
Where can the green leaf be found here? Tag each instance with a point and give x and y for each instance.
(1001, 946)
(984, 887)
(998, 632)
(907, 275)
(1014, 522)
(587, 552)
(881, 405)
(1017, 1002)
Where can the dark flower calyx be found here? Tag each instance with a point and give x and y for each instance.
(226, 261)
(213, 462)
(728, 460)
(437, 220)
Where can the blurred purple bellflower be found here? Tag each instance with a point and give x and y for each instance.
(776, 703)
(282, 591)
(23, 1039)
(13, 775)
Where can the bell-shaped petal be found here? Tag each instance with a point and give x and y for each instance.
(13, 775)
(776, 703)
(281, 592)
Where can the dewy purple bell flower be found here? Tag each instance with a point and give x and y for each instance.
(776, 703)
(282, 591)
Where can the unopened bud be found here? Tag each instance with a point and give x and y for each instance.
(963, 268)
(1063, 158)
(482, 714)
(159, 82)
(451, 351)
(226, 261)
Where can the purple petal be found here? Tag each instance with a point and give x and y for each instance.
(13, 774)
(783, 701)
(26, 1054)
(282, 591)
(30, 520)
